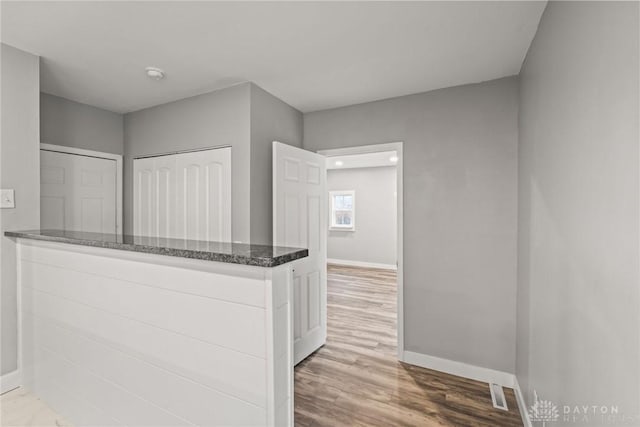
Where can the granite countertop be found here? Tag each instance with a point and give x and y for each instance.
(234, 253)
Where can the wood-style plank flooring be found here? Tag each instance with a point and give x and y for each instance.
(355, 379)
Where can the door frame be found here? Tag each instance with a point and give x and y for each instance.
(100, 155)
(365, 149)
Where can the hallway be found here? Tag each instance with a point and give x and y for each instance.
(355, 378)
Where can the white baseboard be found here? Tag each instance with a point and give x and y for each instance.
(361, 264)
(460, 369)
(522, 405)
(10, 381)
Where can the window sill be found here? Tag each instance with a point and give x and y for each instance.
(342, 229)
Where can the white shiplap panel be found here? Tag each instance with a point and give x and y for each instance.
(281, 366)
(200, 318)
(37, 380)
(187, 399)
(284, 413)
(280, 289)
(216, 367)
(71, 406)
(108, 397)
(279, 315)
(229, 284)
(280, 322)
(129, 340)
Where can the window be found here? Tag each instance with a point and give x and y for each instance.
(343, 210)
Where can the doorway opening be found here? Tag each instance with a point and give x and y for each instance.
(358, 367)
(365, 200)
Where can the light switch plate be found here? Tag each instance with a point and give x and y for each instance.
(7, 199)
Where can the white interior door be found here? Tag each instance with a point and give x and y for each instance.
(300, 220)
(185, 195)
(77, 192)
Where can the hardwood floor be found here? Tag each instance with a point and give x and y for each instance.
(356, 380)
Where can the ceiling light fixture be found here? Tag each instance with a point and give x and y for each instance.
(339, 163)
(393, 159)
(154, 73)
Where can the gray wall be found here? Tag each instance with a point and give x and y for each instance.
(374, 237)
(460, 203)
(243, 116)
(72, 124)
(209, 120)
(20, 170)
(578, 296)
(271, 120)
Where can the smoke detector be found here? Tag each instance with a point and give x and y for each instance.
(154, 73)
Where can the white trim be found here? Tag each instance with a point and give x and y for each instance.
(460, 369)
(522, 405)
(101, 155)
(397, 146)
(10, 381)
(363, 264)
(20, 340)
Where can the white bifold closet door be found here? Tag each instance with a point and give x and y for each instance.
(77, 192)
(184, 196)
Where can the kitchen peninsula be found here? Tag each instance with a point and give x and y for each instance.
(129, 330)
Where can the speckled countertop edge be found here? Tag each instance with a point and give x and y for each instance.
(259, 261)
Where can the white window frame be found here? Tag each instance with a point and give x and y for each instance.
(332, 218)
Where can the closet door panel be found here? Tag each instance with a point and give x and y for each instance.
(143, 204)
(165, 195)
(218, 191)
(78, 192)
(204, 195)
(184, 196)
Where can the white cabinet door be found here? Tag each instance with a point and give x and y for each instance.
(300, 220)
(185, 196)
(77, 192)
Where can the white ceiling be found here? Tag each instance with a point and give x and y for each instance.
(367, 160)
(312, 55)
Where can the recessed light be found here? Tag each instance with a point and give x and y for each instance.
(393, 159)
(339, 163)
(154, 73)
